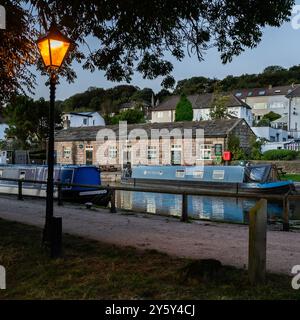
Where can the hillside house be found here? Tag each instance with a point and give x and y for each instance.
(202, 105)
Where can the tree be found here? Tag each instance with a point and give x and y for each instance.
(219, 108)
(233, 145)
(273, 69)
(132, 35)
(132, 116)
(194, 85)
(144, 95)
(28, 121)
(268, 118)
(184, 109)
(256, 145)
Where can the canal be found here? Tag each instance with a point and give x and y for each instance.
(201, 207)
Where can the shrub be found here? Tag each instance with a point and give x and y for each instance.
(184, 109)
(280, 155)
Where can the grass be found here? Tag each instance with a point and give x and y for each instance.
(94, 270)
(293, 177)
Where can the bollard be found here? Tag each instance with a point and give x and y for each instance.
(257, 243)
(184, 210)
(56, 237)
(113, 208)
(59, 195)
(20, 193)
(286, 213)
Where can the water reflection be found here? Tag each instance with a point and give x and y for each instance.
(199, 207)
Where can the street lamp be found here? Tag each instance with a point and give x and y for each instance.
(53, 48)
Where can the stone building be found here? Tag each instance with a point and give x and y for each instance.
(177, 143)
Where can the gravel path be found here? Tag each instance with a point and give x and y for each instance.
(200, 240)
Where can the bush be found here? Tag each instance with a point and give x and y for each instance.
(184, 109)
(280, 155)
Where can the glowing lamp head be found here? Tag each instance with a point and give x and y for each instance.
(54, 48)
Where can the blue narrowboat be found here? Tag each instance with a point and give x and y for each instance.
(71, 174)
(251, 178)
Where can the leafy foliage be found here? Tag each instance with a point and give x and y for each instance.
(272, 75)
(256, 145)
(184, 109)
(28, 121)
(268, 118)
(219, 108)
(132, 35)
(132, 116)
(107, 101)
(280, 155)
(234, 147)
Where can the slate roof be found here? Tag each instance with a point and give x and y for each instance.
(294, 93)
(212, 129)
(199, 101)
(82, 114)
(265, 91)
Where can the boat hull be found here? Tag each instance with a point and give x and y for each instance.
(281, 187)
(97, 197)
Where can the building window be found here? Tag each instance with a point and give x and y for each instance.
(112, 152)
(160, 115)
(89, 155)
(152, 153)
(85, 122)
(176, 154)
(66, 153)
(205, 151)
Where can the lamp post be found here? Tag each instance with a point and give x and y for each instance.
(53, 48)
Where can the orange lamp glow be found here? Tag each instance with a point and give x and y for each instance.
(53, 48)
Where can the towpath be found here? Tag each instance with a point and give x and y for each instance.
(199, 240)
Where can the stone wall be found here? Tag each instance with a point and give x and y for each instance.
(245, 134)
(292, 167)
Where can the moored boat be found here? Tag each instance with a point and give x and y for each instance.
(71, 174)
(252, 178)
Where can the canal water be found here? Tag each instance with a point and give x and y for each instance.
(199, 207)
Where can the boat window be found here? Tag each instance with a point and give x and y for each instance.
(257, 174)
(180, 173)
(198, 174)
(218, 174)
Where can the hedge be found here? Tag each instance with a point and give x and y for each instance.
(280, 155)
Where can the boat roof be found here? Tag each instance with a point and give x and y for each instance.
(32, 166)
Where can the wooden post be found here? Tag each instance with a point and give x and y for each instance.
(257, 243)
(20, 193)
(113, 208)
(56, 237)
(286, 214)
(184, 210)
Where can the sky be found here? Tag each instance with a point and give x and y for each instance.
(279, 46)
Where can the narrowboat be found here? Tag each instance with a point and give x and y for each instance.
(251, 178)
(70, 174)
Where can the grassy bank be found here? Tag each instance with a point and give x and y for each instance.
(93, 270)
(293, 177)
